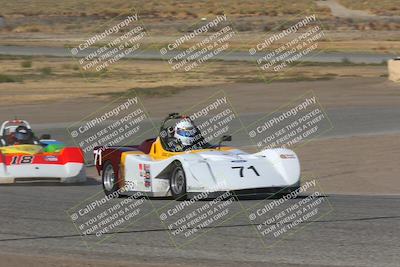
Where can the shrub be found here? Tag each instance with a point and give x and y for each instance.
(46, 71)
(4, 78)
(26, 64)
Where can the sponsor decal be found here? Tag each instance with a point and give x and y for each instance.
(288, 156)
(51, 158)
(141, 173)
(239, 160)
(147, 180)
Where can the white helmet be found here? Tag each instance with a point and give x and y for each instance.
(185, 132)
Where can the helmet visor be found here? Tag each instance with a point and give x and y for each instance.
(186, 132)
(22, 136)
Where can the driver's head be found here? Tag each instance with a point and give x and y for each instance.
(185, 132)
(22, 135)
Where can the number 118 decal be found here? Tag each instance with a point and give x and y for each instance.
(22, 160)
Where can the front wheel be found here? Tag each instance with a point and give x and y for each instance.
(110, 185)
(177, 183)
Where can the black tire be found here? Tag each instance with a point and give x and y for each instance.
(286, 191)
(109, 180)
(177, 183)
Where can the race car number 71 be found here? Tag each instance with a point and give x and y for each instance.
(248, 168)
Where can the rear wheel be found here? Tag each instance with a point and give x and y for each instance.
(178, 183)
(109, 179)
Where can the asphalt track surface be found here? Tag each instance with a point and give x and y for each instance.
(226, 56)
(352, 230)
(346, 122)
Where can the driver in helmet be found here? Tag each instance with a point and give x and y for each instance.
(186, 136)
(22, 135)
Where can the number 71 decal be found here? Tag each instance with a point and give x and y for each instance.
(248, 168)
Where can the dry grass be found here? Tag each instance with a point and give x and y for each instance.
(52, 79)
(153, 8)
(382, 7)
(48, 16)
(74, 20)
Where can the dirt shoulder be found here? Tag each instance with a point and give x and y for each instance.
(245, 97)
(365, 165)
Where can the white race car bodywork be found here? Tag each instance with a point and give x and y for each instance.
(213, 171)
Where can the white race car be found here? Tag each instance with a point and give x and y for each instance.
(26, 158)
(158, 170)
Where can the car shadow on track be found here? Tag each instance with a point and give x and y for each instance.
(271, 196)
(261, 196)
(89, 182)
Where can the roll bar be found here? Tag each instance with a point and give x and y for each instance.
(21, 122)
